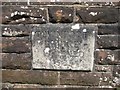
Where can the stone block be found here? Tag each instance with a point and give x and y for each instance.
(63, 46)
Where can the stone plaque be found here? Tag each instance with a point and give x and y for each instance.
(63, 46)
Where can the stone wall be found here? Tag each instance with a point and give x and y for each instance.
(19, 20)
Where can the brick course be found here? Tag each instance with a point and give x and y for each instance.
(18, 21)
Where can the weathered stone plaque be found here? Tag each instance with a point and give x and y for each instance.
(63, 46)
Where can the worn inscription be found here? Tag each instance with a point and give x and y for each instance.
(63, 46)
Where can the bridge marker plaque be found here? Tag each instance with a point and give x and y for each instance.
(63, 46)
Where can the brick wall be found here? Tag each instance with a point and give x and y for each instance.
(17, 71)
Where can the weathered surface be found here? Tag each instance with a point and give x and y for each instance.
(60, 60)
(61, 14)
(75, 2)
(85, 79)
(9, 86)
(108, 29)
(16, 30)
(97, 15)
(23, 15)
(62, 1)
(29, 77)
(16, 44)
(107, 57)
(116, 71)
(109, 88)
(69, 88)
(63, 46)
(14, 3)
(116, 74)
(16, 61)
(108, 42)
(103, 68)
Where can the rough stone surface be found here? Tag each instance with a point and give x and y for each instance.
(109, 29)
(61, 14)
(14, 3)
(15, 30)
(16, 61)
(110, 42)
(85, 79)
(72, 88)
(103, 68)
(47, 2)
(63, 46)
(107, 57)
(116, 71)
(23, 14)
(28, 15)
(29, 77)
(116, 74)
(79, 1)
(110, 88)
(16, 44)
(97, 15)
(7, 86)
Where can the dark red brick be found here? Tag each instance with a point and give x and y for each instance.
(60, 89)
(62, 0)
(14, 3)
(29, 77)
(116, 74)
(15, 30)
(16, 44)
(103, 68)
(116, 71)
(61, 14)
(16, 61)
(97, 15)
(64, 87)
(108, 42)
(85, 78)
(24, 14)
(102, 88)
(5, 89)
(108, 29)
(107, 57)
